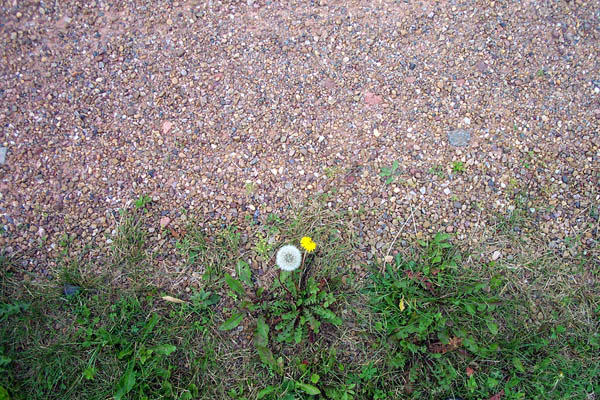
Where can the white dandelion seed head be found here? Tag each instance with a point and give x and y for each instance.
(288, 258)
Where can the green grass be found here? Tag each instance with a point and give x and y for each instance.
(436, 322)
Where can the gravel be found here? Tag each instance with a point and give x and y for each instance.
(102, 102)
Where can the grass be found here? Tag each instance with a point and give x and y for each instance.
(436, 322)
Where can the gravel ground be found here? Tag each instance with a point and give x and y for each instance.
(229, 109)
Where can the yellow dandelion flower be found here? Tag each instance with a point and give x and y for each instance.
(308, 244)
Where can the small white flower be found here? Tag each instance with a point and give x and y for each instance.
(288, 258)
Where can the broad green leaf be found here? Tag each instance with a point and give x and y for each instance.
(441, 237)
(518, 364)
(4, 394)
(124, 353)
(235, 285)
(266, 356)
(88, 373)
(232, 322)
(243, 272)
(164, 349)
(261, 335)
(493, 327)
(470, 309)
(186, 396)
(310, 389)
(265, 391)
(212, 299)
(150, 325)
(127, 381)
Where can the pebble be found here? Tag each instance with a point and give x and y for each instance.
(165, 221)
(496, 255)
(459, 138)
(3, 151)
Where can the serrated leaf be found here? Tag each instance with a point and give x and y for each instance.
(164, 349)
(235, 285)
(232, 322)
(298, 334)
(328, 316)
(310, 389)
(243, 272)
(127, 381)
(286, 333)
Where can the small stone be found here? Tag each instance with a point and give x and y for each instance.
(459, 137)
(70, 290)
(388, 259)
(180, 52)
(3, 151)
(496, 255)
(166, 127)
(412, 66)
(373, 99)
(376, 133)
(164, 221)
(423, 190)
(457, 205)
(449, 229)
(565, 179)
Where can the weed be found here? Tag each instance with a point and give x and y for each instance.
(458, 167)
(438, 171)
(332, 172)
(389, 173)
(250, 187)
(143, 201)
(295, 305)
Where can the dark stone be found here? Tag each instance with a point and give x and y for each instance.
(70, 290)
